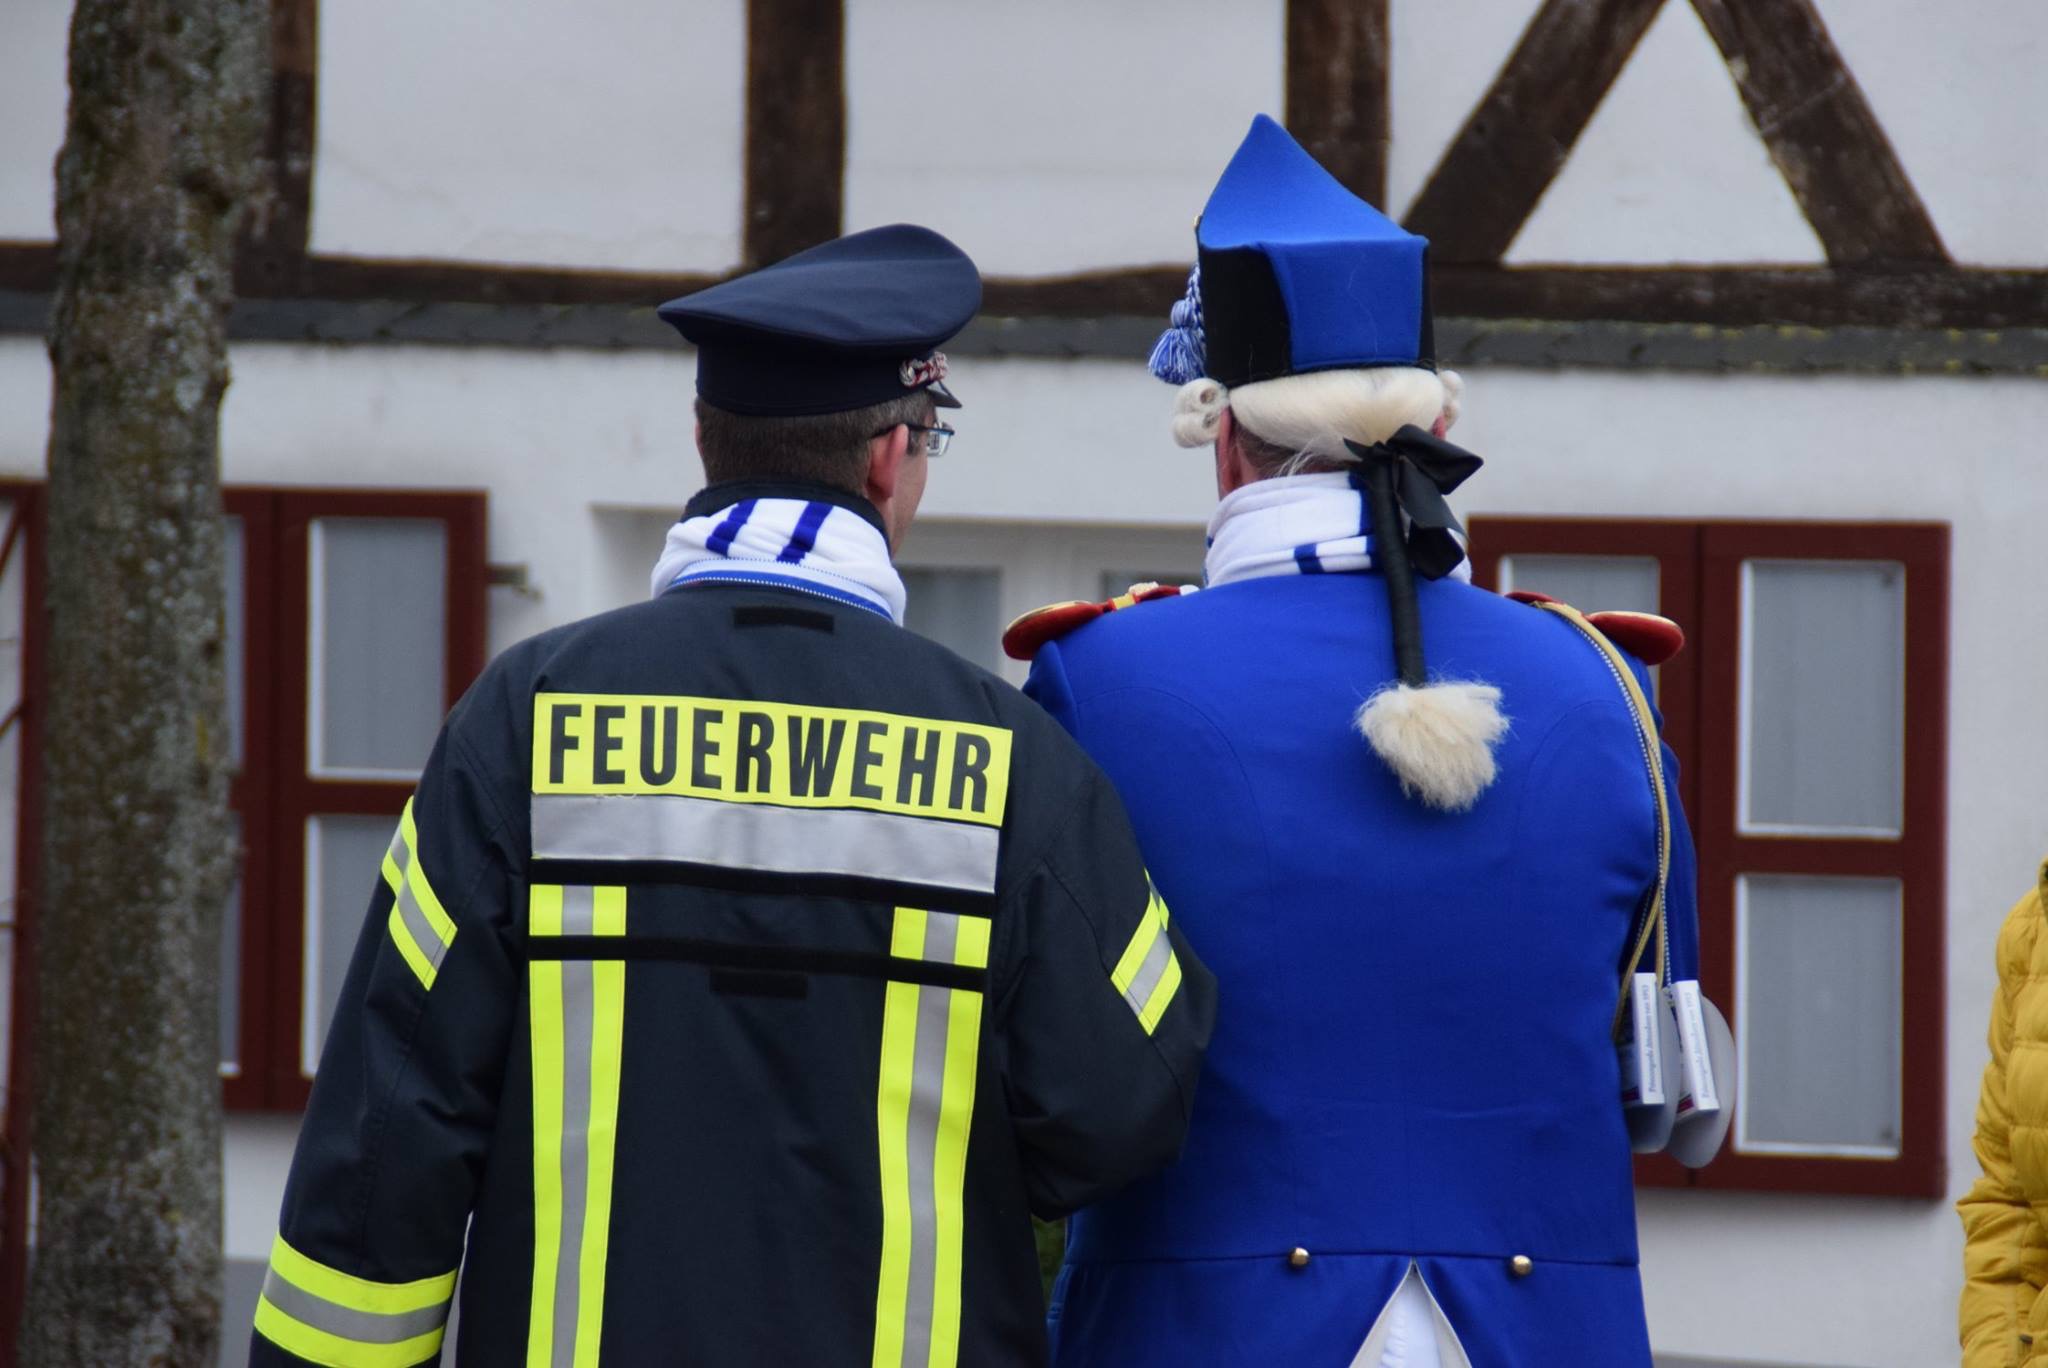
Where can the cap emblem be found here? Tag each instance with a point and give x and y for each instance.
(926, 371)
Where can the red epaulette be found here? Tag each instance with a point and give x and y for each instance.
(1022, 638)
(1649, 638)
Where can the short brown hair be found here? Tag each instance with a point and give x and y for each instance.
(826, 448)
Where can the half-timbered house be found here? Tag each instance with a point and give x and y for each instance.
(1752, 297)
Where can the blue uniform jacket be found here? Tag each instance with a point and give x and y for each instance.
(1412, 1058)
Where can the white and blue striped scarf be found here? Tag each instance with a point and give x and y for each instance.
(807, 545)
(1295, 525)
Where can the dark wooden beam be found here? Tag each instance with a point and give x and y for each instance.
(796, 126)
(1821, 132)
(1337, 89)
(280, 227)
(1815, 296)
(1517, 139)
(453, 282)
(30, 267)
(1907, 297)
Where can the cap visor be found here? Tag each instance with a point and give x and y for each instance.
(941, 396)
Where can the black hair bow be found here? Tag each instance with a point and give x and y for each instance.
(1423, 468)
(1410, 473)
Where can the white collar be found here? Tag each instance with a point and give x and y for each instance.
(808, 545)
(1296, 525)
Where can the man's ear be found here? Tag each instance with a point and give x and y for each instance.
(885, 464)
(1232, 473)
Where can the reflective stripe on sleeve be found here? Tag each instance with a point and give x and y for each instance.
(1147, 974)
(923, 1115)
(333, 1318)
(578, 1024)
(420, 926)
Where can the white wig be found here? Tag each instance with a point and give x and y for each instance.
(1314, 414)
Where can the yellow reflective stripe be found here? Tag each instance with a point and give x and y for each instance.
(607, 1043)
(1150, 924)
(332, 1351)
(408, 948)
(949, 1166)
(1155, 1006)
(924, 1113)
(544, 918)
(416, 875)
(750, 751)
(360, 1294)
(973, 947)
(906, 933)
(424, 936)
(892, 1130)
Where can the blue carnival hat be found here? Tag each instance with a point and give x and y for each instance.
(1295, 273)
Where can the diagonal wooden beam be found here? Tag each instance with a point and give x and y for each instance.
(1821, 132)
(1517, 139)
(1337, 89)
(275, 238)
(796, 127)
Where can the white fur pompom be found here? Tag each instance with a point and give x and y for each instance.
(1438, 739)
(1198, 412)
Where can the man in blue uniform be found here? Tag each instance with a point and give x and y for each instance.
(745, 969)
(1419, 880)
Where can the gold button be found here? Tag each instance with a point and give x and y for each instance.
(1521, 1265)
(1298, 1259)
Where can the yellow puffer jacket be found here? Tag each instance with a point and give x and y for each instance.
(2005, 1216)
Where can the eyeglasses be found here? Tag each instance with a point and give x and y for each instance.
(935, 440)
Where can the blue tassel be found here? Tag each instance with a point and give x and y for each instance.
(1181, 354)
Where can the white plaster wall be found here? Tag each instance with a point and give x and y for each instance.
(1958, 90)
(1053, 137)
(567, 441)
(606, 134)
(34, 36)
(1670, 167)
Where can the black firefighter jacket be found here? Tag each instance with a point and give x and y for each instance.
(742, 971)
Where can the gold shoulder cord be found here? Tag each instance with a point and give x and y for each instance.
(1653, 760)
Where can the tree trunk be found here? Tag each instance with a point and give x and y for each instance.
(158, 163)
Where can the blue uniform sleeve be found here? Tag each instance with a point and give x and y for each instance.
(1047, 686)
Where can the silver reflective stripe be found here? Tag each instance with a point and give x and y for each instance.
(760, 836)
(941, 936)
(1150, 969)
(423, 933)
(927, 1089)
(366, 1327)
(579, 991)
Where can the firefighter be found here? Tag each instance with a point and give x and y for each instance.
(745, 970)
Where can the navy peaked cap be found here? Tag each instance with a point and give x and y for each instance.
(848, 323)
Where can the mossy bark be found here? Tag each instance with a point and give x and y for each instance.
(159, 161)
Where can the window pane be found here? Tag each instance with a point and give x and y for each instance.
(1819, 1014)
(237, 558)
(1591, 584)
(343, 855)
(231, 968)
(1823, 695)
(378, 639)
(957, 609)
